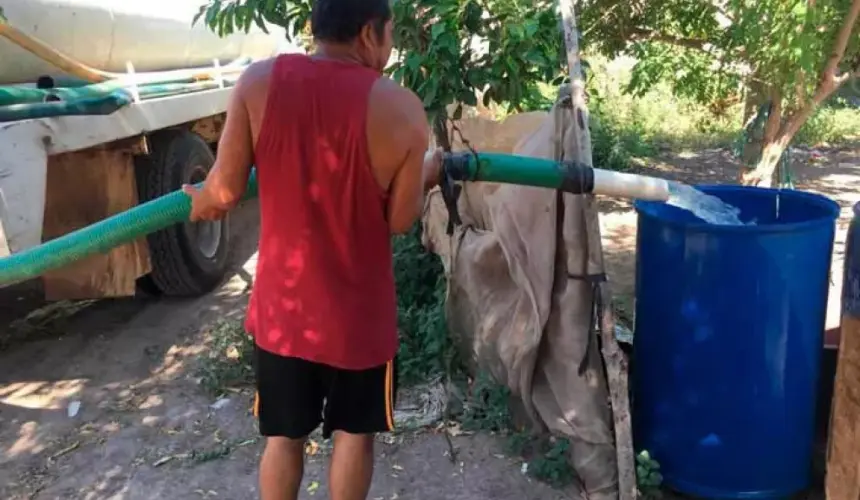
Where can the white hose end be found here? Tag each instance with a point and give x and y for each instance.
(633, 186)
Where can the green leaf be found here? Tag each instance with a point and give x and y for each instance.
(430, 94)
(468, 98)
(413, 61)
(260, 21)
(437, 30)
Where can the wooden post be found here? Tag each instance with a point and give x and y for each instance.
(843, 452)
(613, 358)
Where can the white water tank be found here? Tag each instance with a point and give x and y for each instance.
(105, 34)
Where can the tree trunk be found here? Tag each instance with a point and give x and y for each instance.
(753, 145)
(771, 145)
(764, 173)
(778, 133)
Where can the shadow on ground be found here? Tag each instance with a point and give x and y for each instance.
(116, 365)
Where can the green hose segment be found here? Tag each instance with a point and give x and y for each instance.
(512, 169)
(102, 236)
(98, 106)
(21, 95)
(24, 95)
(97, 99)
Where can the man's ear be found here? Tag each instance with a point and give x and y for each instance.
(367, 35)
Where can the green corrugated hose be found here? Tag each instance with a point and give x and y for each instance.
(10, 96)
(175, 207)
(104, 105)
(125, 227)
(98, 100)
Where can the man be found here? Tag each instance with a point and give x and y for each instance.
(340, 158)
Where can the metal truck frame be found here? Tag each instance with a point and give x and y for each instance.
(63, 173)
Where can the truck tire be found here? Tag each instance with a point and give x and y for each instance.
(188, 259)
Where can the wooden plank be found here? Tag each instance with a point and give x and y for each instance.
(843, 454)
(614, 358)
(85, 187)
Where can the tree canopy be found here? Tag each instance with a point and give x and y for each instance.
(448, 51)
(791, 54)
(788, 55)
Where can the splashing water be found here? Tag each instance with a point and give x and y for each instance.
(707, 207)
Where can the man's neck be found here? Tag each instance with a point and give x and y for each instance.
(337, 53)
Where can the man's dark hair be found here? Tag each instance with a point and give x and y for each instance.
(340, 21)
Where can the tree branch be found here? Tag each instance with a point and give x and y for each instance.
(829, 81)
(841, 41)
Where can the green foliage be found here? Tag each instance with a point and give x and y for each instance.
(831, 125)
(711, 51)
(425, 348)
(230, 359)
(447, 50)
(625, 126)
(656, 118)
(648, 477)
(550, 464)
(443, 62)
(486, 407)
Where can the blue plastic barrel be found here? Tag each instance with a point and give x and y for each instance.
(728, 339)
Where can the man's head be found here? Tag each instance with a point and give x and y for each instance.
(363, 26)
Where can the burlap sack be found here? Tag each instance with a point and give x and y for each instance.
(520, 301)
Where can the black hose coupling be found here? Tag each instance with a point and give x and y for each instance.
(576, 178)
(455, 167)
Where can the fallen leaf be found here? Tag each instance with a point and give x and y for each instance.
(73, 409)
(163, 460)
(232, 353)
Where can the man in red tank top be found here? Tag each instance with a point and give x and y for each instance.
(342, 163)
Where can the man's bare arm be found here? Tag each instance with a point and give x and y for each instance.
(226, 183)
(414, 175)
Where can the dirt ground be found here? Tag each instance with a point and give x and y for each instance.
(100, 401)
(145, 428)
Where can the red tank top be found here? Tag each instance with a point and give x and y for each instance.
(324, 288)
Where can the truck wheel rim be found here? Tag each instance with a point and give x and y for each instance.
(206, 234)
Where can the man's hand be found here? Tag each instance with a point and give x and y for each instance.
(432, 168)
(203, 206)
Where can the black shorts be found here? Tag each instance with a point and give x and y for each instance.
(294, 396)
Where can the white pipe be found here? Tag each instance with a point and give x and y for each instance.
(622, 185)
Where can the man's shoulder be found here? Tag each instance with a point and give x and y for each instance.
(391, 99)
(255, 78)
(259, 69)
